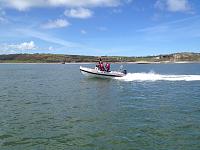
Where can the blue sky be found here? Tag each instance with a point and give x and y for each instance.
(100, 27)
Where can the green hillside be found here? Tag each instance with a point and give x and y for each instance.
(59, 58)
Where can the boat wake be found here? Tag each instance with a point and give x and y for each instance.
(157, 77)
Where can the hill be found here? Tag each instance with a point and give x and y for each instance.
(59, 58)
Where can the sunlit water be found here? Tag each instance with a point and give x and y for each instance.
(55, 107)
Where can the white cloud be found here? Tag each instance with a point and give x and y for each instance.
(56, 41)
(173, 5)
(178, 5)
(14, 48)
(23, 46)
(166, 27)
(27, 4)
(59, 23)
(51, 48)
(4, 50)
(160, 4)
(83, 32)
(48, 38)
(83, 3)
(81, 13)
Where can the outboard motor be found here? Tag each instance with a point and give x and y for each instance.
(124, 72)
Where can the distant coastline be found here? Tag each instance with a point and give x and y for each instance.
(137, 62)
(64, 59)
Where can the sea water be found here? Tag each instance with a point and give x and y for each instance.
(53, 106)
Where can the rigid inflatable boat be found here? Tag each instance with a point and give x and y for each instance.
(90, 72)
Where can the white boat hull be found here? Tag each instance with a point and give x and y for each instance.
(95, 73)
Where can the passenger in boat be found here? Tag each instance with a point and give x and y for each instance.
(107, 67)
(98, 65)
(101, 67)
(100, 61)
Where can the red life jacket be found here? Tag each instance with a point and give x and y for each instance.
(101, 67)
(107, 67)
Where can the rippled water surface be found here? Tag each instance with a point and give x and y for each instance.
(54, 107)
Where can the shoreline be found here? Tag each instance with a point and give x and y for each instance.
(138, 62)
(49, 63)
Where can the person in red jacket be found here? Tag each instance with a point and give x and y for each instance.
(107, 67)
(100, 66)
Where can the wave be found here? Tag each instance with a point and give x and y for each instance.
(158, 77)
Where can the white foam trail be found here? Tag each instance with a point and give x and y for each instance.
(156, 77)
